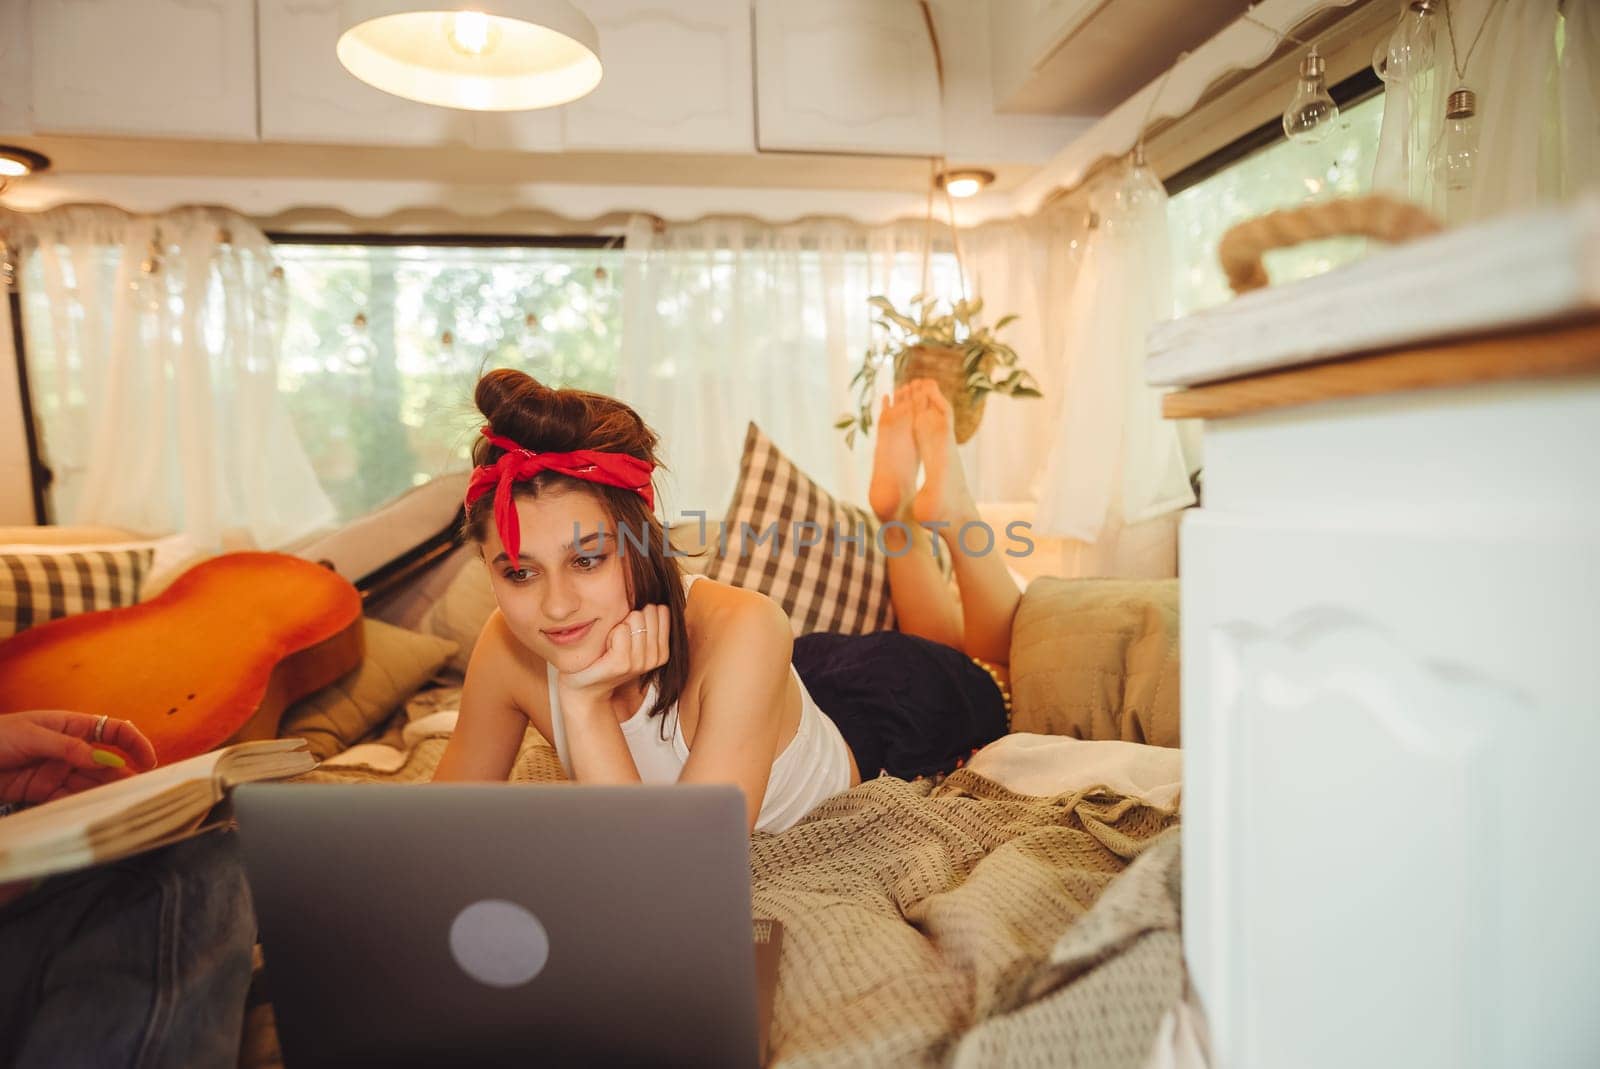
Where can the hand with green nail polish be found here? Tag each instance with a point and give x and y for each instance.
(51, 753)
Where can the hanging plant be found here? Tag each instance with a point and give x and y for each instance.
(967, 361)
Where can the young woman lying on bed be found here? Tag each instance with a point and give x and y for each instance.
(637, 672)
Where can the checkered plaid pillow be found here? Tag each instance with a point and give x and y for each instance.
(36, 586)
(835, 584)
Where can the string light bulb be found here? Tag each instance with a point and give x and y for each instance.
(1455, 164)
(1311, 114)
(1408, 51)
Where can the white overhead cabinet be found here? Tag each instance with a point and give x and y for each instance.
(677, 78)
(846, 76)
(157, 68)
(1026, 32)
(16, 112)
(308, 96)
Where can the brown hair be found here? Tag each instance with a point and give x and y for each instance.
(519, 407)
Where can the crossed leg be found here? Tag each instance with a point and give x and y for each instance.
(915, 424)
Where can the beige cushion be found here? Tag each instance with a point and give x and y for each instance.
(461, 612)
(1097, 659)
(397, 663)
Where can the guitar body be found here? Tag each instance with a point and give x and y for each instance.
(215, 658)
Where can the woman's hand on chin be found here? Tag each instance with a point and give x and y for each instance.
(636, 645)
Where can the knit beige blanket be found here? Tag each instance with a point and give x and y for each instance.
(952, 924)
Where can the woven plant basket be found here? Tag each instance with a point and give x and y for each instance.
(943, 366)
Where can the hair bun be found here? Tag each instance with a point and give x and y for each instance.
(519, 407)
(504, 392)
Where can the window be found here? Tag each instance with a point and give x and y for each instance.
(1282, 175)
(383, 343)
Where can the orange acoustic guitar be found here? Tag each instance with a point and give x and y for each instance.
(213, 659)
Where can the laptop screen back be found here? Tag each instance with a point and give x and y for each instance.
(508, 924)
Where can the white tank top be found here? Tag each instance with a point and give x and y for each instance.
(814, 766)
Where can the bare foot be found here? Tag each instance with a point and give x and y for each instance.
(944, 495)
(894, 459)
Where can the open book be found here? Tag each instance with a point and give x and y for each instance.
(140, 813)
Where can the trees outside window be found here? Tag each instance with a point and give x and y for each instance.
(383, 344)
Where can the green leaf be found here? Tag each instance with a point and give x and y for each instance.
(1026, 391)
(1004, 322)
(841, 424)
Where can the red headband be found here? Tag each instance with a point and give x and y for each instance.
(517, 463)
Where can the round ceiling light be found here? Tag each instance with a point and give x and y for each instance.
(16, 162)
(965, 183)
(489, 55)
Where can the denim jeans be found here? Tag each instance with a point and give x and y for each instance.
(141, 963)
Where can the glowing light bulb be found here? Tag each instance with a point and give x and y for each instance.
(471, 32)
(1311, 114)
(964, 183)
(10, 168)
(1410, 50)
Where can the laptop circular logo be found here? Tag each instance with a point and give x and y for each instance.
(499, 943)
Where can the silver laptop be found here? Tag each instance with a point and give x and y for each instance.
(505, 924)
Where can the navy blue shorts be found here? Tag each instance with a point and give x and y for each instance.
(906, 705)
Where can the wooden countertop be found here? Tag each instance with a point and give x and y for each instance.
(1558, 351)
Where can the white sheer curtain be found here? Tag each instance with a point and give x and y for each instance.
(1114, 462)
(1538, 107)
(152, 346)
(731, 320)
(1024, 267)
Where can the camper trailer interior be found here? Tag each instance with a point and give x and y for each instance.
(1103, 489)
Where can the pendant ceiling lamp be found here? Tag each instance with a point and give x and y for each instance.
(487, 55)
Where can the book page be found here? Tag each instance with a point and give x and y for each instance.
(53, 820)
(267, 759)
(134, 814)
(123, 798)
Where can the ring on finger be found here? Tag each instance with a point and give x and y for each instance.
(100, 727)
